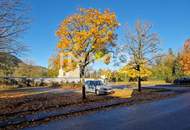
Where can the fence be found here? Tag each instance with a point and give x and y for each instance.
(34, 82)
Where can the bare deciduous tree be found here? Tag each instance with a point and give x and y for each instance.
(13, 22)
(142, 47)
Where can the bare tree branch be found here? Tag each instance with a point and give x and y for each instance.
(12, 24)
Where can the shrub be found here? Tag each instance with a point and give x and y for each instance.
(170, 79)
(71, 85)
(54, 84)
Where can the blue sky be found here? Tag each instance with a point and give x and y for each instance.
(170, 19)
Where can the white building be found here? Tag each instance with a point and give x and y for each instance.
(71, 76)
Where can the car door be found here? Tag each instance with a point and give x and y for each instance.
(87, 86)
(91, 87)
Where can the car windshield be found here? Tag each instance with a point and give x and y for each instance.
(94, 83)
(98, 83)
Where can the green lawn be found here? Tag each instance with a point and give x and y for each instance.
(7, 87)
(144, 83)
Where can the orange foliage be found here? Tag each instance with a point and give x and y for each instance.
(86, 36)
(185, 58)
(185, 62)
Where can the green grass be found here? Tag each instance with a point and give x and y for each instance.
(160, 90)
(8, 87)
(144, 83)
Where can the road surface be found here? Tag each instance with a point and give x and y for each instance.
(168, 114)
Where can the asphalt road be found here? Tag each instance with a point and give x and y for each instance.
(168, 114)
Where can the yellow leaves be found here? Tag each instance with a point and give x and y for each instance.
(133, 73)
(89, 24)
(94, 31)
(99, 55)
(53, 61)
(102, 55)
(107, 59)
(122, 93)
(63, 44)
(110, 36)
(78, 46)
(63, 32)
(69, 65)
(106, 73)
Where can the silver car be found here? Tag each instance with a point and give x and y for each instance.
(97, 87)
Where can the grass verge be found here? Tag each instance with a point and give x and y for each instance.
(144, 83)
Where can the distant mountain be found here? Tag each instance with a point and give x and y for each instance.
(6, 58)
(7, 62)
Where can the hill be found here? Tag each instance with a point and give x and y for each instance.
(11, 65)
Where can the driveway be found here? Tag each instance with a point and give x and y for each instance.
(168, 114)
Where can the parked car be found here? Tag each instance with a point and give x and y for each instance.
(97, 87)
(182, 81)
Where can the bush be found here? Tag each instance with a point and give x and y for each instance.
(71, 85)
(54, 84)
(24, 82)
(36, 82)
(170, 79)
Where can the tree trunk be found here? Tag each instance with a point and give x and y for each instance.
(83, 90)
(139, 83)
(139, 78)
(83, 83)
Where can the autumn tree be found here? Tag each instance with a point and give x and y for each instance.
(53, 66)
(167, 67)
(185, 58)
(177, 67)
(171, 66)
(141, 47)
(106, 73)
(133, 73)
(87, 36)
